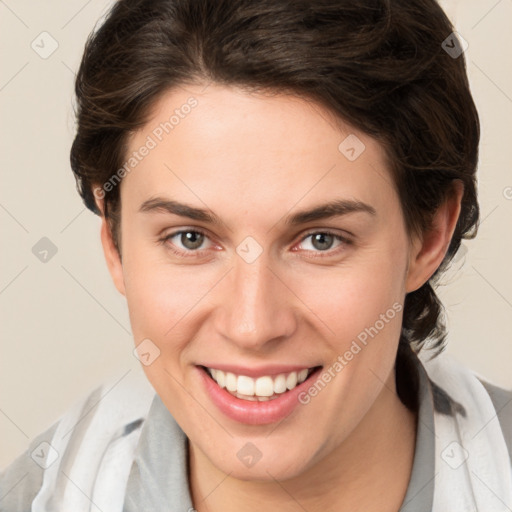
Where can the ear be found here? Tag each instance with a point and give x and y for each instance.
(428, 251)
(112, 256)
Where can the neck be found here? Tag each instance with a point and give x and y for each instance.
(369, 471)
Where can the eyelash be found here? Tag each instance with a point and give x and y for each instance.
(195, 253)
(329, 252)
(179, 252)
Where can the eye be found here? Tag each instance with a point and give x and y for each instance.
(323, 241)
(186, 241)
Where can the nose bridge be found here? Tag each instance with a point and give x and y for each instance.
(256, 308)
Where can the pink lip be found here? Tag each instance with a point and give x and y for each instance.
(253, 413)
(256, 372)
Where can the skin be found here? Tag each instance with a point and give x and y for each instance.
(253, 160)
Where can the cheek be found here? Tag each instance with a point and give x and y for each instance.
(353, 297)
(164, 299)
(359, 308)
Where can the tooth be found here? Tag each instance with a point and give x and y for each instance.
(280, 383)
(245, 385)
(264, 386)
(291, 380)
(263, 399)
(220, 377)
(301, 376)
(246, 397)
(230, 381)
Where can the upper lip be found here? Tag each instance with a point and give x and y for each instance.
(259, 371)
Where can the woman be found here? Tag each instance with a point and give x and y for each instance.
(280, 185)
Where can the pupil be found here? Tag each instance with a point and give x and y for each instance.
(322, 241)
(191, 239)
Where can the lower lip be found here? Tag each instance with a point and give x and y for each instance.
(252, 412)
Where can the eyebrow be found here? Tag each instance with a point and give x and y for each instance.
(161, 205)
(331, 209)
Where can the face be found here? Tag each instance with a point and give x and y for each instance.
(265, 241)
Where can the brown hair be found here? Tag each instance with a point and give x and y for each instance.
(379, 65)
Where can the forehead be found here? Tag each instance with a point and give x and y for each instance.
(232, 147)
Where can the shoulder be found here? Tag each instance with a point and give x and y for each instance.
(21, 480)
(79, 438)
(502, 400)
(451, 383)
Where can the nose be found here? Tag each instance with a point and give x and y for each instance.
(257, 309)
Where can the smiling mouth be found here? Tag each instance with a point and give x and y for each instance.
(262, 388)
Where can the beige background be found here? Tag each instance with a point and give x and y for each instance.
(65, 329)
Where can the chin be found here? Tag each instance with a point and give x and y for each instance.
(263, 461)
